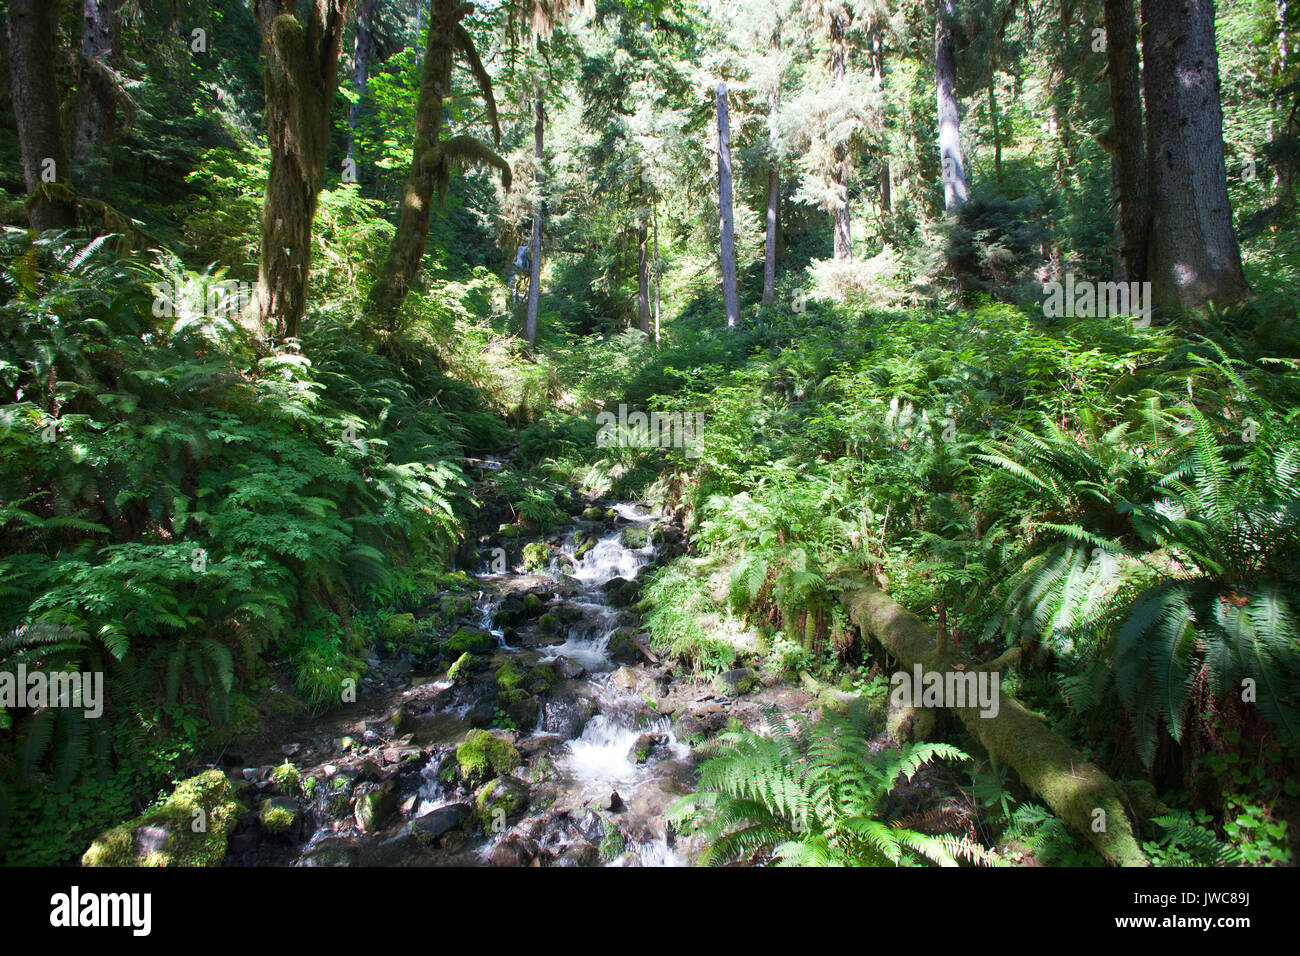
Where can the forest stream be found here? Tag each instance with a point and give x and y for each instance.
(597, 773)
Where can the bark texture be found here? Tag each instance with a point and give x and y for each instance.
(952, 163)
(1194, 257)
(50, 204)
(727, 244)
(1125, 140)
(96, 96)
(535, 242)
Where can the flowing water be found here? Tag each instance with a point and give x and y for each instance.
(612, 765)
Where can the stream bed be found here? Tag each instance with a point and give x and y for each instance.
(537, 734)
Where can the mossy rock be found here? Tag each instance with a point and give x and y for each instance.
(500, 799)
(278, 815)
(466, 664)
(533, 602)
(452, 606)
(286, 779)
(736, 682)
(537, 556)
(165, 835)
(484, 755)
(470, 640)
(398, 627)
(634, 538)
(594, 513)
(549, 623)
(455, 581)
(509, 676)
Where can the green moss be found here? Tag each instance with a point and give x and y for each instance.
(398, 627)
(549, 623)
(470, 640)
(634, 538)
(455, 581)
(466, 664)
(276, 817)
(484, 755)
(533, 602)
(594, 513)
(508, 676)
(537, 556)
(189, 828)
(286, 779)
(503, 797)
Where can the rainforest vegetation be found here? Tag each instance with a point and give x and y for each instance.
(523, 431)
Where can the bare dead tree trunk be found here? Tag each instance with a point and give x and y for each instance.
(1125, 140)
(535, 246)
(730, 298)
(92, 150)
(46, 170)
(301, 50)
(773, 204)
(1194, 257)
(952, 163)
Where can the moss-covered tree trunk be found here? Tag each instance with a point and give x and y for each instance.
(301, 52)
(46, 170)
(1077, 791)
(407, 248)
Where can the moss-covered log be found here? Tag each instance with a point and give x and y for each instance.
(1074, 788)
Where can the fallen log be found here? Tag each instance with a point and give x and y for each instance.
(1078, 792)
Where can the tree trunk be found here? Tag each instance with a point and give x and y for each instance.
(878, 71)
(1074, 788)
(730, 298)
(46, 170)
(1194, 257)
(773, 199)
(535, 247)
(654, 215)
(301, 51)
(96, 98)
(952, 165)
(406, 250)
(1125, 141)
(642, 278)
(997, 135)
(840, 154)
(360, 72)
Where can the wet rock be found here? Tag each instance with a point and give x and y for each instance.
(580, 853)
(430, 828)
(736, 682)
(635, 538)
(483, 755)
(278, 815)
(567, 668)
(611, 802)
(625, 679)
(647, 746)
(623, 647)
(514, 850)
(499, 801)
(566, 716)
(374, 806)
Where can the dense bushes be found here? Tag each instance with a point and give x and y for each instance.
(180, 506)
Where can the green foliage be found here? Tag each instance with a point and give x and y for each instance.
(816, 796)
